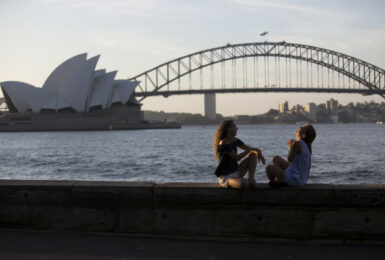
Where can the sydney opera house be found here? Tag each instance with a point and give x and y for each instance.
(75, 96)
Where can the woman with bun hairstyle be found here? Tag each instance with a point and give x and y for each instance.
(296, 169)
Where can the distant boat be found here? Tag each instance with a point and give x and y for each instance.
(379, 122)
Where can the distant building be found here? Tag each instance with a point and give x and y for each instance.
(241, 118)
(333, 118)
(283, 107)
(332, 106)
(311, 110)
(210, 110)
(297, 108)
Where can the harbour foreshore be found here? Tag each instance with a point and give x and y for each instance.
(315, 211)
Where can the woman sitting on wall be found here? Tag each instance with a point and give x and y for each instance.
(229, 172)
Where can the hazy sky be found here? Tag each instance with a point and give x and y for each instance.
(135, 35)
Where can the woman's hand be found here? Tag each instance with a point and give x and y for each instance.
(290, 143)
(261, 158)
(295, 148)
(259, 155)
(256, 150)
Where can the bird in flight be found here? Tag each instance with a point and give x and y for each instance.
(264, 33)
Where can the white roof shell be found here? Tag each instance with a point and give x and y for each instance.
(74, 84)
(98, 73)
(123, 90)
(25, 96)
(101, 90)
(63, 72)
(15, 92)
(75, 88)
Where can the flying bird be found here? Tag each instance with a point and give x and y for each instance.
(263, 34)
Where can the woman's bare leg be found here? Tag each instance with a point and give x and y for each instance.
(275, 173)
(249, 164)
(238, 183)
(280, 162)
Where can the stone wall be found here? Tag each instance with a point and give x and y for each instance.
(346, 212)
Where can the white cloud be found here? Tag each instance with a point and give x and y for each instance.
(117, 7)
(139, 8)
(298, 15)
(278, 5)
(327, 27)
(163, 47)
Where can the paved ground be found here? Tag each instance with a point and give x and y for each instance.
(19, 244)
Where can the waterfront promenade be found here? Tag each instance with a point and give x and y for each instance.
(24, 244)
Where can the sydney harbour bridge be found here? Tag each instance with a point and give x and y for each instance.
(262, 67)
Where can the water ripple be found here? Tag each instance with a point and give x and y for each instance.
(185, 155)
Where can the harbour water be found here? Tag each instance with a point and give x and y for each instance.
(342, 153)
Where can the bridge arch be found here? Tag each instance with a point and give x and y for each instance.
(152, 82)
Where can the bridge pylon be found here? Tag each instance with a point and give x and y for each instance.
(210, 106)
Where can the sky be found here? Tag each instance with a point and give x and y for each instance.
(133, 36)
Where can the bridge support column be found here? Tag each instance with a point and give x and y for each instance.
(210, 111)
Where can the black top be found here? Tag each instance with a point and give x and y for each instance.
(227, 164)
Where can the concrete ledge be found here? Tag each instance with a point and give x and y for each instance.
(353, 212)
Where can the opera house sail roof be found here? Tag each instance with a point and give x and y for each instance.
(74, 85)
(75, 96)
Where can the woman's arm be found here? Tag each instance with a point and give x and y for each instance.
(233, 154)
(295, 147)
(246, 147)
(258, 151)
(239, 156)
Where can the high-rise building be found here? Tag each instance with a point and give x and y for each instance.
(283, 107)
(210, 111)
(311, 111)
(297, 108)
(332, 106)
